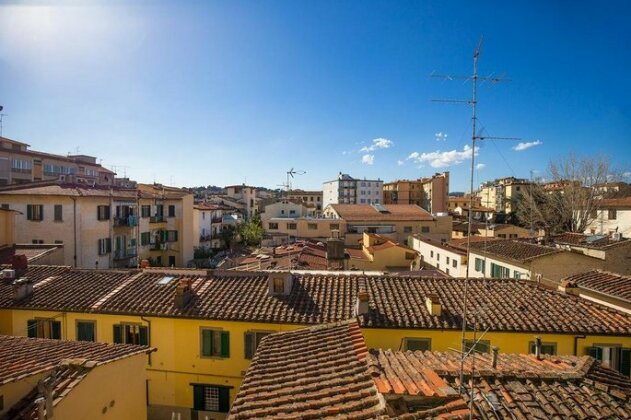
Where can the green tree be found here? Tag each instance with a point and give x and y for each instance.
(251, 232)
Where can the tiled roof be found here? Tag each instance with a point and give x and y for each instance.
(514, 249)
(438, 244)
(67, 189)
(21, 357)
(461, 243)
(310, 373)
(588, 241)
(395, 301)
(611, 203)
(394, 212)
(519, 387)
(604, 282)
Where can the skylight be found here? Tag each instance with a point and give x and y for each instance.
(165, 280)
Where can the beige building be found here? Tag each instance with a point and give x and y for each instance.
(105, 227)
(243, 197)
(19, 165)
(208, 223)
(612, 217)
(308, 197)
(502, 194)
(463, 202)
(428, 193)
(378, 253)
(449, 259)
(280, 230)
(394, 221)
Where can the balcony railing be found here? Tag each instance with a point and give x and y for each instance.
(216, 220)
(21, 171)
(158, 246)
(157, 219)
(126, 221)
(123, 254)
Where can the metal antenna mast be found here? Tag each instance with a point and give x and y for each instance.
(475, 136)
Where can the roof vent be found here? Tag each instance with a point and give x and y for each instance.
(22, 288)
(432, 302)
(7, 275)
(280, 283)
(183, 293)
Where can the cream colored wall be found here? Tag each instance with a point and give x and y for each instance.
(323, 227)
(602, 225)
(114, 390)
(506, 230)
(425, 249)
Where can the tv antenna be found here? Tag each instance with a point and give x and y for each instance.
(475, 136)
(1, 117)
(291, 173)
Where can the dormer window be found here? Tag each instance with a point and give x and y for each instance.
(279, 286)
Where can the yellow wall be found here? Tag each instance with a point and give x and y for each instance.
(13, 392)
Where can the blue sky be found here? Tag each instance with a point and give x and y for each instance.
(197, 93)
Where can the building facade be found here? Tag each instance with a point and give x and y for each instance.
(502, 194)
(348, 190)
(428, 193)
(308, 197)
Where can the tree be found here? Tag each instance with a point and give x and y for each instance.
(251, 231)
(227, 235)
(570, 201)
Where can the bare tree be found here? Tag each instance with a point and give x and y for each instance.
(570, 200)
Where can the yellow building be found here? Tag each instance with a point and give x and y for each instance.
(428, 193)
(71, 379)
(103, 227)
(463, 202)
(380, 254)
(206, 325)
(502, 194)
(279, 230)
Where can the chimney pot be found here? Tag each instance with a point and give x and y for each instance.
(183, 293)
(22, 288)
(432, 303)
(362, 298)
(538, 347)
(495, 352)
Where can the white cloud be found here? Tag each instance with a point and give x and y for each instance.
(626, 174)
(368, 159)
(440, 159)
(379, 143)
(480, 166)
(400, 162)
(440, 136)
(527, 145)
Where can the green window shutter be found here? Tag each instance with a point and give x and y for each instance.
(55, 328)
(595, 352)
(224, 400)
(143, 336)
(85, 331)
(175, 232)
(31, 327)
(225, 344)
(207, 343)
(29, 212)
(41, 212)
(198, 397)
(248, 339)
(625, 361)
(118, 333)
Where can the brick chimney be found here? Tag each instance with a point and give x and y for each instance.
(22, 288)
(19, 263)
(183, 293)
(433, 305)
(362, 298)
(495, 351)
(538, 347)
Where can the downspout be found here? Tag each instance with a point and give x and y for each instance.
(576, 338)
(74, 226)
(148, 334)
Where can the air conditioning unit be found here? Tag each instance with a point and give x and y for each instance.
(7, 274)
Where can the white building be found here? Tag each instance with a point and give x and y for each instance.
(614, 216)
(450, 260)
(208, 223)
(348, 190)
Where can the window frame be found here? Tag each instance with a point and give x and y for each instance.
(469, 343)
(531, 347)
(51, 330)
(407, 340)
(220, 352)
(58, 213)
(32, 215)
(85, 321)
(223, 403)
(123, 334)
(254, 343)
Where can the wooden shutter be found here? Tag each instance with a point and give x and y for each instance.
(175, 232)
(198, 397)
(248, 339)
(29, 212)
(225, 344)
(224, 399)
(143, 336)
(625, 361)
(55, 328)
(107, 212)
(595, 352)
(85, 331)
(207, 343)
(118, 333)
(31, 328)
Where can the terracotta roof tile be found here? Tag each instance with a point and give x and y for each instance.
(514, 249)
(612, 284)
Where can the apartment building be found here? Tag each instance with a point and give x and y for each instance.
(613, 217)
(307, 197)
(105, 227)
(428, 193)
(502, 194)
(441, 255)
(206, 326)
(462, 202)
(208, 224)
(394, 221)
(243, 197)
(348, 190)
(19, 165)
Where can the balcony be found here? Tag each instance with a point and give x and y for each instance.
(21, 171)
(216, 220)
(157, 219)
(158, 246)
(128, 221)
(124, 254)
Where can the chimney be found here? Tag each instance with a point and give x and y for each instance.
(335, 253)
(279, 283)
(19, 263)
(568, 287)
(144, 264)
(362, 298)
(495, 351)
(432, 303)
(22, 288)
(538, 347)
(183, 293)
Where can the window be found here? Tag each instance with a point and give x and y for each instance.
(483, 346)
(447, 260)
(424, 229)
(334, 226)
(105, 246)
(611, 214)
(517, 275)
(437, 256)
(312, 226)
(272, 226)
(252, 339)
(131, 334)
(103, 212)
(172, 235)
(214, 343)
(291, 226)
(447, 271)
(171, 210)
(145, 211)
(499, 272)
(211, 398)
(407, 229)
(37, 241)
(414, 344)
(431, 254)
(44, 328)
(292, 211)
(454, 263)
(58, 213)
(480, 265)
(86, 331)
(90, 172)
(613, 356)
(278, 287)
(145, 238)
(35, 212)
(546, 348)
(21, 165)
